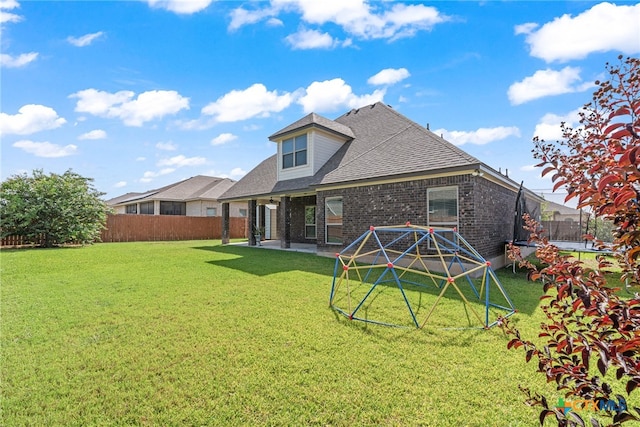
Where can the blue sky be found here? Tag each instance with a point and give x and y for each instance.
(140, 94)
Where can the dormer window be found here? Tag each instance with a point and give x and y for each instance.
(294, 151)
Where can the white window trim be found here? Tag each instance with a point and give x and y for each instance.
(293, 153)
(326, 224)
(315, 221)
(444, 224)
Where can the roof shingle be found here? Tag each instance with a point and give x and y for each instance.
(385, 144)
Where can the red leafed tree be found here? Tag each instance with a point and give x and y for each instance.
(590, 338)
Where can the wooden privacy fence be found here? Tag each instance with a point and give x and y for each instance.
(13, 241)
(141, 228)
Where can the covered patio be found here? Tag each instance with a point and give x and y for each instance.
(277, 245)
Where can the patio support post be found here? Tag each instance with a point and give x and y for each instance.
(251, 219)
(225, 223)
(285, 205)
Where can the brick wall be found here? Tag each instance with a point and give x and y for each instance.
(297, 218)
(486, 210)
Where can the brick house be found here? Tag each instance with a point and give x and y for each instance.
(331, 179)
(195, 196)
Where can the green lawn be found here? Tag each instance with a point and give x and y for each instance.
(195, 333)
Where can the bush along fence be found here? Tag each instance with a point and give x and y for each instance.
(142, 228)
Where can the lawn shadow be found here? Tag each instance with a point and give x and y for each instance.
(456, 336)
(525, 295)
(263, 262)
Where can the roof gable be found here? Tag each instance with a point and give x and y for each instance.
(317, 121)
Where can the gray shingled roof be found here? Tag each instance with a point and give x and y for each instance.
(194, 188)
(315, 120)
(259, 181)
(389, 144)
(386, 144)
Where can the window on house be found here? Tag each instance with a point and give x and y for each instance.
(242, 212)
(131, 209)
(309, 222)
(294, 151)
(173, 208)
(443, 207)
(212, 211)
(333, 220)
(146, 208)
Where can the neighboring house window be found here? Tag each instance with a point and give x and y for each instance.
(309, 222)
(146, 208)
(333, 219)
(173, 208)
(242, 212)
(131, 209)
(212, 211)
(294, 151)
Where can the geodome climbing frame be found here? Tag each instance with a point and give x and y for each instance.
(394, 265)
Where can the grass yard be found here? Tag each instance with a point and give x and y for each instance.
(199, 334)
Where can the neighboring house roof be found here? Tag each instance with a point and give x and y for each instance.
(199, 187)
(385, 145)
(557, 208)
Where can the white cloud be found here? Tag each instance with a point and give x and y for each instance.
(252, 127)
(181, 161)
(151, 105)
(274, 22)
(528, 168)
(30, 119)
(21, 60)
(255, 101)
(140, 159)
(148, 176)
(45, 149)
(241, 17)
(237, 173)
(310, 39)
(223, 138)
(85, 40)
(548, 128)
(525, 28)
(547, 83)
(8, 16)
(331, 95)
(166, 146)
(183, 7)
(94, 134)
(480, 136)
(389, 76)
(604, 27)
(120, 184)
(356, 17)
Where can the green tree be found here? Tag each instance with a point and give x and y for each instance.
(52, 209)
